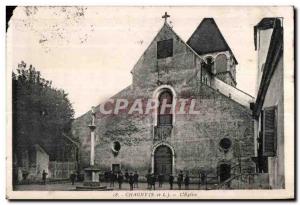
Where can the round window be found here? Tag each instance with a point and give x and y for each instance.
(116, 146)
(225, 143)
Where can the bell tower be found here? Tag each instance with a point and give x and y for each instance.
(208, 41)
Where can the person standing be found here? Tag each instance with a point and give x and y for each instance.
(160, 180)
(73, 177)
(179, 179)
(203, 179)
(171, 181)
(44, 176)
(112, 179)
(131, 181)
(153, 180)
(186, 181)
(148, 178)
(199, 179)
(136, 179)
(120, 179)
(126, 175)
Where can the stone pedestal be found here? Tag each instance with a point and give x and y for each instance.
(91, 180)
(91, 177)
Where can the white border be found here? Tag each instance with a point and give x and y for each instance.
(242, 194)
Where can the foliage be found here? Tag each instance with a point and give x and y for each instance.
(41, 113)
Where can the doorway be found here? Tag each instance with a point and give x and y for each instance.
(225, 170)
(116, 168)
(163, 160)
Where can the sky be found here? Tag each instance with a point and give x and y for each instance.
(90, 51)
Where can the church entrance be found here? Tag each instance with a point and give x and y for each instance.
(163, 160)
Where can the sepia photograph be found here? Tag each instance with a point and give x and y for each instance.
(150, 102)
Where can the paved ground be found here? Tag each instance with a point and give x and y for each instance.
(69, 186)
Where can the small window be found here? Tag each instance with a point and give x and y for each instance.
(225, 144)
(165, 48)
(116, 146)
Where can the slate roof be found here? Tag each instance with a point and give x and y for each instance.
(207, 38)
(266, 23)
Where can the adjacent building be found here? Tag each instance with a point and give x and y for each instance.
(268, 110)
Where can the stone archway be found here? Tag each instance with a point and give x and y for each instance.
(155, 97)
(163, 159)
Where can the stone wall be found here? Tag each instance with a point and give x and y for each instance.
(42, 161)
(195, 139)
(34, 161)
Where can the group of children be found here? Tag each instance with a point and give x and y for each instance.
(151, 178)
(181, 179)
(131, 178)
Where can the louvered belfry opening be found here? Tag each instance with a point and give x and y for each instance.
(165, 115)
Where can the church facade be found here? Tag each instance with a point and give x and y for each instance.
(216, 138)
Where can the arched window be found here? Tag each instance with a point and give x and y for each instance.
(209, 60)
(221, 63)
(210, 64)
(165, 108)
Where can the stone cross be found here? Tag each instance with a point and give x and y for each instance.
(92, 127)
(166, 16)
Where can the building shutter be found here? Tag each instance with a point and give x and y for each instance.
(269, 132)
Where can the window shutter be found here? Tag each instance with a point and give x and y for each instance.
(269, 132)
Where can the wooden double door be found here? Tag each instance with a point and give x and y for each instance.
(163, 160)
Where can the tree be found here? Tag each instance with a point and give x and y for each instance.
(41, 113)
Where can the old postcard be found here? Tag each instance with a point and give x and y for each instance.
(150, 103)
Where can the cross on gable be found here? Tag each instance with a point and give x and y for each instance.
(166, 16)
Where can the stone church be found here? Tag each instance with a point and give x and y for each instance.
(219, 139)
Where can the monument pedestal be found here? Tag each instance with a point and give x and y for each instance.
(91, 177)
(91, 180)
